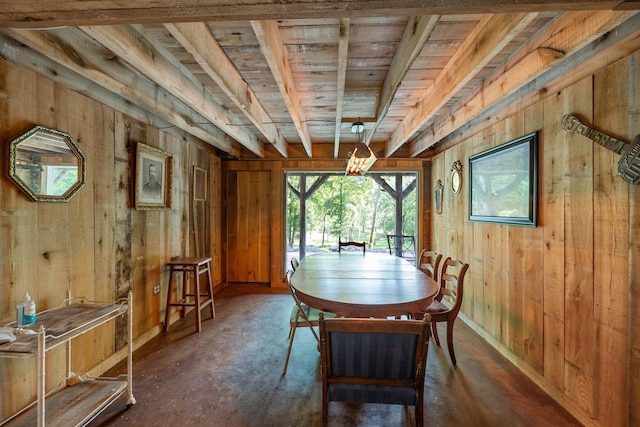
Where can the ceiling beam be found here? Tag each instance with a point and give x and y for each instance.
(197, 39)
(73, 50)
(416, 34)
(544, 55)
(48, 13)
(488, 38)
(275, 53)
(343, 51)
(152, 61)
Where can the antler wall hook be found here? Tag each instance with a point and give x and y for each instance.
(629, 163)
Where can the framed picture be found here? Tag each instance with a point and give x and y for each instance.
(504, 183)
(439, 189)
(199, 184)
(153, 178)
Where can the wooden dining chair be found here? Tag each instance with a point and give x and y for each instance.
(429, 262)
(447, 303)
(294, 263)
(342, 244)
(369, 360)
(301, 316)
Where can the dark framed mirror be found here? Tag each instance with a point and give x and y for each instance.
(46, 164)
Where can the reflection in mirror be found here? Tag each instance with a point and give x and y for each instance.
(46, 164)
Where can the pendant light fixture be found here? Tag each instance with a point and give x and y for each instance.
(361, 158)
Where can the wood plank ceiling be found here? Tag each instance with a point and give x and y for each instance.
(270, 79)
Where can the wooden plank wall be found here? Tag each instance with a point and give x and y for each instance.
(634, 248)
(96, 245)
(561, 300)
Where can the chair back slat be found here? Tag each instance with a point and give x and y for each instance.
(294, 263)
(342, 245)
(429, 262)
(452, 282)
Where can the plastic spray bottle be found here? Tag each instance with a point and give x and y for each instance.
(29, 315)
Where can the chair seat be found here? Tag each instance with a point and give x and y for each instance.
(437, 307)
(313, 314)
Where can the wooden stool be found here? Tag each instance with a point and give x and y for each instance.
(197, 266)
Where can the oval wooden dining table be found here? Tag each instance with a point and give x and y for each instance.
(357, 285)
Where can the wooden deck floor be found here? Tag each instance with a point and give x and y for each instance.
(230, 375)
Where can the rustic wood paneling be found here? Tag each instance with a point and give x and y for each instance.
(611, 246)
(530, 319)
(95, 245)
(18, 225)
(551, 212)
(215, 218)
(634, 255)
(555, 299)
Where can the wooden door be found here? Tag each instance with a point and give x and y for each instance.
(248, 227)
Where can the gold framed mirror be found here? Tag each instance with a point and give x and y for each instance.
(46, 164)
(456, 177)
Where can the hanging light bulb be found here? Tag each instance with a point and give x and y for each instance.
(361, 158)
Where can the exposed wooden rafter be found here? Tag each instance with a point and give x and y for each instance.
(343, 51)
(199, 42)
(274, 51)
(415, 35)
(70, 48)
(130, 45)
(45, 13)
(257, 80)
(562, 39)
(490, 36)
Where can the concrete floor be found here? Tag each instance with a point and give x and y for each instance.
(230, 375)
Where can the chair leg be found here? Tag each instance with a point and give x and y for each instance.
(292, 334)
(434, 329)
(167, 313)
(325, 409)
(450, 340)
(210, 284)
(196, 296)
(419, 409)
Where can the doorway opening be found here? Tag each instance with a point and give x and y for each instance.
(325, 207)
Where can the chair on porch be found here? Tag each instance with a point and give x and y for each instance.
(447, 303)
(373, 361)
(342, 245)
(402, 246)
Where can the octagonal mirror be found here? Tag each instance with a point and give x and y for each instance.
(46, 164)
